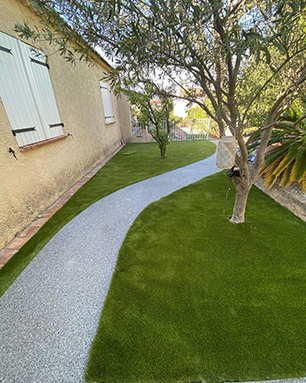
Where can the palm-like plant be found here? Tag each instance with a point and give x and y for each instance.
(286, 161)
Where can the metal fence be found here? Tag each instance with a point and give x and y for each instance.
(188, 130)
(139, 129)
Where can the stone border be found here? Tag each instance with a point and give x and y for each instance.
(290, 198)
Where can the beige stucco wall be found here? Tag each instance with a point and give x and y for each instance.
(41, 175)
(124, 117)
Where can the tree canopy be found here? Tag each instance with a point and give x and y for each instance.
(245, 57)
(195, 113)
(203, 47)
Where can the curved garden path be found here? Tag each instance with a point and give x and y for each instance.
(49, 315)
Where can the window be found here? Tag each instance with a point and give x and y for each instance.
(107, 102)
(26, 92)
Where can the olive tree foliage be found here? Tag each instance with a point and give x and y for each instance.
(236, 52)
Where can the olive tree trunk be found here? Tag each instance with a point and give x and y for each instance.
(240, 205)
(248, 176)
(243, 186)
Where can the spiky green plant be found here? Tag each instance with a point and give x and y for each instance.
(286, 161)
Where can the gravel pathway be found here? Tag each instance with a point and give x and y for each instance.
(49, 315)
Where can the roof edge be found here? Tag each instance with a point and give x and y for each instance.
(27, 3)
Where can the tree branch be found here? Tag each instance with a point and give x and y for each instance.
(268, 81)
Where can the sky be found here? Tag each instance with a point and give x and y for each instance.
(180, 108)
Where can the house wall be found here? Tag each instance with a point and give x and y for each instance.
(124, 117)
(41, 175)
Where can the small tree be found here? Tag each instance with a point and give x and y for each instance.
(154, 111)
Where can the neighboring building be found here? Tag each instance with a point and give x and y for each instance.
(60, 120)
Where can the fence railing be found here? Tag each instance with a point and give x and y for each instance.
(189, 130)
(139, 129)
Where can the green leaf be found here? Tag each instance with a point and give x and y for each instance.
(269, 177)
(196, 12)
(279, 46)
(287, 159)
(258, 56)
(254, 35)
(276, 154)
(267, 54)
(299, 170)
(285, 178)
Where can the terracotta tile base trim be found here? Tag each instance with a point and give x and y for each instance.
(8, 251)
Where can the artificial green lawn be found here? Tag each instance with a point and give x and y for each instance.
(196, 298)
(135, 162)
